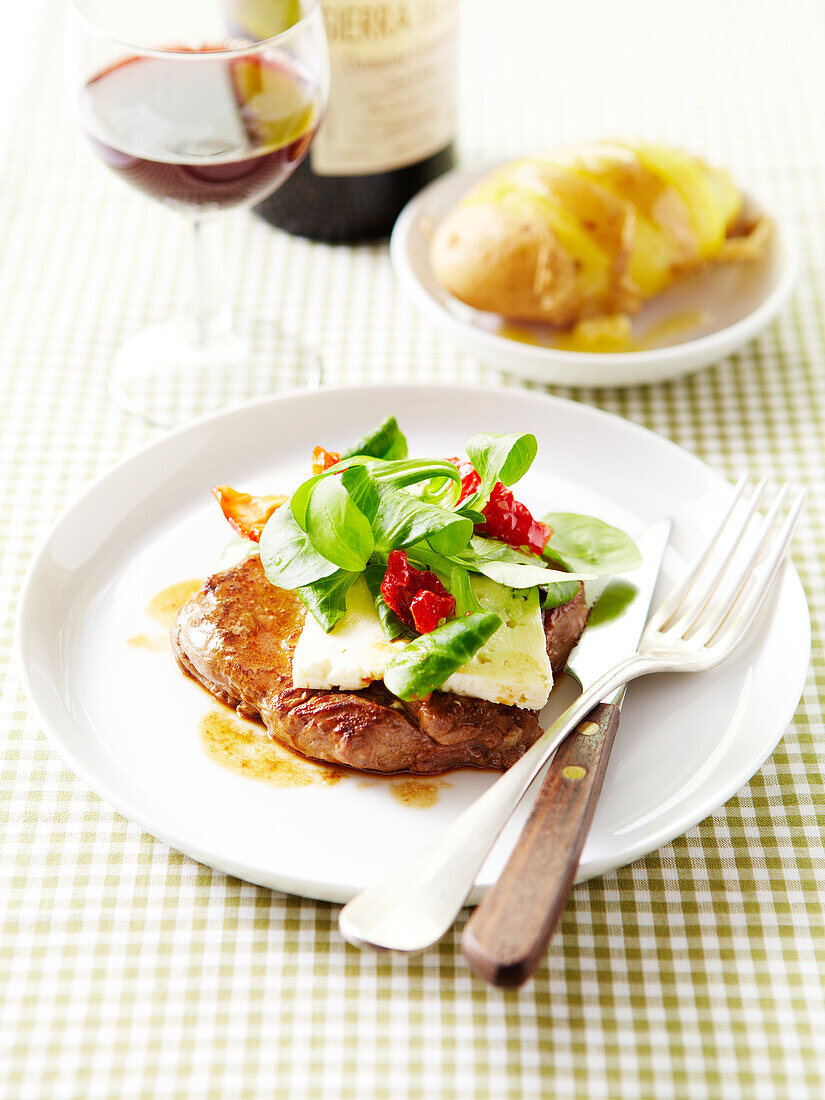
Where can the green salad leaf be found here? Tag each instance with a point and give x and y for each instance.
(360, 485)
(587, 544)
(430, 659)
(336, 526)
(326, 598)
(415, 471)
(495, 457)
(403, 519)
(386, 441)
(526, 576)
(344, 522)
(460, 588)
(397, 518)
(288, 557)
(422, 556)
(299, 501)
(443, 490)
(508, 566)
(483, 549)
(559, 593)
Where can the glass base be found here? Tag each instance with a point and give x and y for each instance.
(166, 375)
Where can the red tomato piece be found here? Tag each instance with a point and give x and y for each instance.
(505, 518)
(428, 609)
(417, 596)
(470, 480)
(246, 514)
(510, 521)
(322, 460)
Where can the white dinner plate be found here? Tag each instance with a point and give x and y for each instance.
(129, 723)
(709, 314)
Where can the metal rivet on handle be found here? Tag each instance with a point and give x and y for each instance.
(587, 729)
(574, 771)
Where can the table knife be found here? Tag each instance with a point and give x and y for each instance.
(416, 904)
(506, 938)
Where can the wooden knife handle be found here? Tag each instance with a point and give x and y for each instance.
(506, 938)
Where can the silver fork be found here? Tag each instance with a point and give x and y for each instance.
(699, 624)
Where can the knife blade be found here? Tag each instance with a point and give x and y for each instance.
(606, 640)
(507, 935)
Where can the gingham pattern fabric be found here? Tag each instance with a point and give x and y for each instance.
(130, 971)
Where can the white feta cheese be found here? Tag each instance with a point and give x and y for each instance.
(512, 668)
(352, 655)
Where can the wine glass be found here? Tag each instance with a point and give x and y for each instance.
(206, 105)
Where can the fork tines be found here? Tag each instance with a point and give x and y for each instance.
(718, 599)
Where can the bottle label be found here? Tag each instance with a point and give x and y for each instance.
(393, 91)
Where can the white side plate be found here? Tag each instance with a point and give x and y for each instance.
(127, 721)
(736, 300)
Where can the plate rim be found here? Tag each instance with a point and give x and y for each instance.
(335, 891)
(668, 355)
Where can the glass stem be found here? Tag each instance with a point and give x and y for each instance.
(213, 316)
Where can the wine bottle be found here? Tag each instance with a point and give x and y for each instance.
(390, 125)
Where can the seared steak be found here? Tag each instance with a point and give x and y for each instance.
(563, 626)
(237, 637)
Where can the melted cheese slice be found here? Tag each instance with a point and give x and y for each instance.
(354, 653)
(512, 668)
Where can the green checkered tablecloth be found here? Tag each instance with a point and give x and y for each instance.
(130, 971)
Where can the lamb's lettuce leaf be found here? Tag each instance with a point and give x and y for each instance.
(402, 520)
(559, 593)
(336, 526)
(288, 557)
(586, 544)
(424, 665)
(496, 457)
(326, 598)
(509, 566)
(345, 521)
(414, 471)
(361, 486)
(398, 519)
(515, 575)
(385, 441)
(460, 588)
(422, 556)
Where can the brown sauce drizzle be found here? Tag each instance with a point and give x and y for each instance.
(420, 794)
(154, 643)
(247, 749)
(164, 607)
(244, 747)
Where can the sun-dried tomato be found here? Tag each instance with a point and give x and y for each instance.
(322, 460)
(505, 518)
(417, 596)
(470, 480)
(510, 521)
(428, 609)
(246, 514)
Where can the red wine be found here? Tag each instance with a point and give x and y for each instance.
(390, 123)
(206, 133)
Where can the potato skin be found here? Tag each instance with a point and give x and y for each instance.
(499, 250)
(498, 260)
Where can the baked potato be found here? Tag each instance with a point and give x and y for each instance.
(588, 233)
